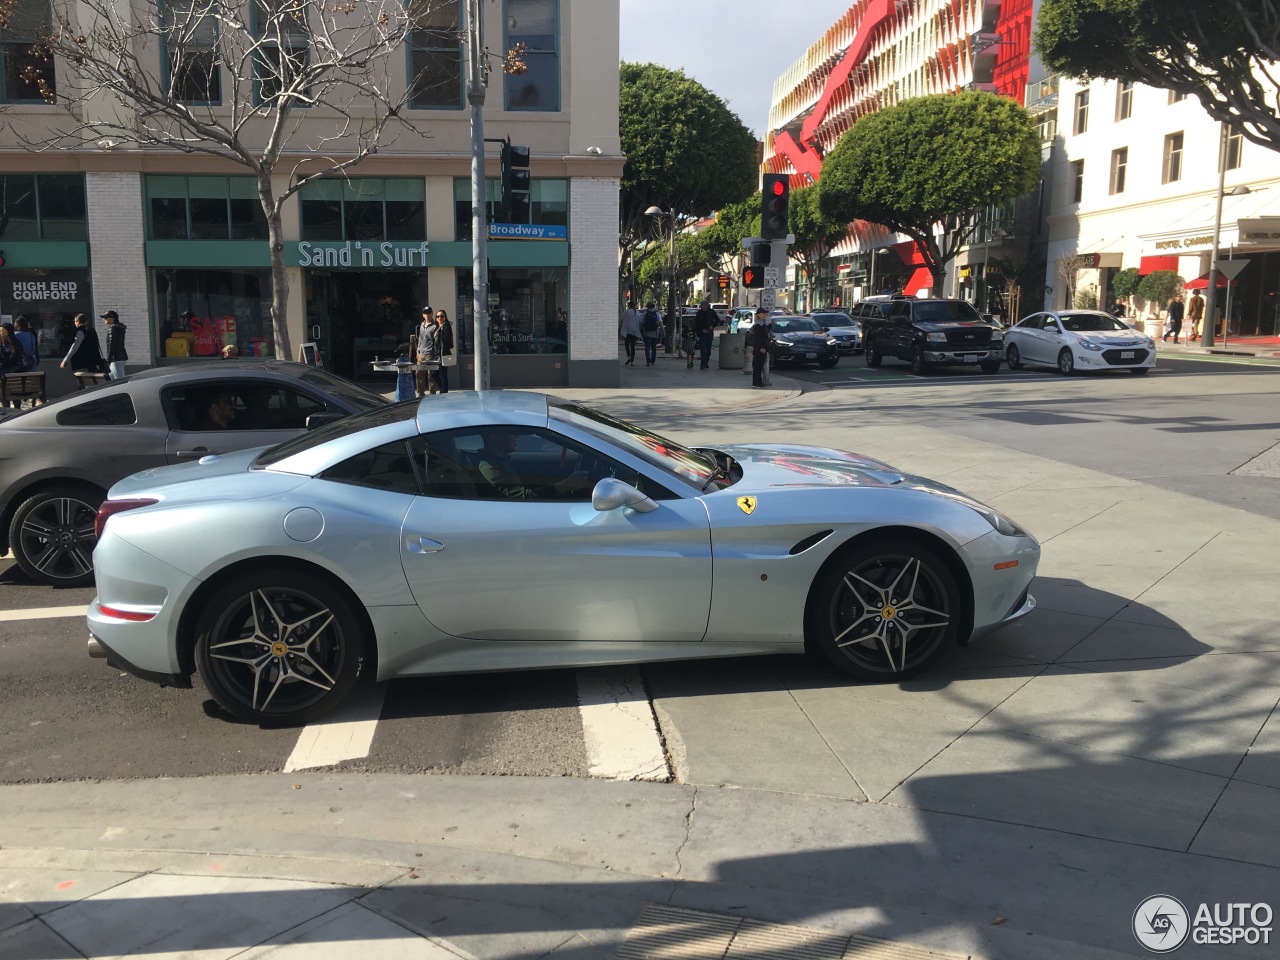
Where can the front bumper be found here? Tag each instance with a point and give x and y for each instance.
(965, 356)
(804, 354)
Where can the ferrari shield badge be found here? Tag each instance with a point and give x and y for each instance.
(748, 505)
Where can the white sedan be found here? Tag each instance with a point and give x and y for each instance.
(1074, 340)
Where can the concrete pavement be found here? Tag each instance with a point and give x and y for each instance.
(1018, 802)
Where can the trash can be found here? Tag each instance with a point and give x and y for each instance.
(732, 347)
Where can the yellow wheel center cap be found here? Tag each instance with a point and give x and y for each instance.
(279, 648)
(888, 613)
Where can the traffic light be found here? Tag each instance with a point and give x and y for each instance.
(752, 277)
(775, 196)
(515, 183)
(761, 254)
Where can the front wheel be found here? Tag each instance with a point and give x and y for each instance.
(1012, 357)
(918, 365)
(1066, 362)
(1139, 371)
(279, 648)
(991, 366)
(884, 610)
(871, 355)
(52, 536)
(828, 363)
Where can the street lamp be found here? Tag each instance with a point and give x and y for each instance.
(659, 213)
(871, 281)
(1209, 323)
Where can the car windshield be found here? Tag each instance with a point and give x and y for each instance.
(934, 311)
(382, 415)
(667, 455)
(833, 319)
(345, 390)
(795, 325)
(1091, 322)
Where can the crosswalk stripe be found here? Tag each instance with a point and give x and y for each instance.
(43, 613)
(618, 726)
(345, 734)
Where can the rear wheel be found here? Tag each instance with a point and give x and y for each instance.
(1066, 362)
(871, 355)
(52, 536)
(1012, 357)
(279, 647)
(884, 610)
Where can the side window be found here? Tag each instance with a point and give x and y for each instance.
(239, 405)
(900, 313)
(389, 467)
(116, 411)
(1033, 323)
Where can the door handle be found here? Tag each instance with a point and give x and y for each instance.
(196, 453)
(315, 332)
(423, 545)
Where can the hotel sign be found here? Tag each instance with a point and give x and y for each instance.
(357, 254)
(1259, 230)
(1183, 243)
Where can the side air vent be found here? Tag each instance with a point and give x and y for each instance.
(810, 541)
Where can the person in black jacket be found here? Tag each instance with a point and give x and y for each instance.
(84, 348)
(704, 329)
(759, 337)
(116, 354)
(444, 351)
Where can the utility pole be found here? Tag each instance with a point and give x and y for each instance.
(477, 76)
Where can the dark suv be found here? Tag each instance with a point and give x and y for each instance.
(928, 333)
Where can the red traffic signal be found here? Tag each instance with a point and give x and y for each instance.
(752, 277)
(775, 195)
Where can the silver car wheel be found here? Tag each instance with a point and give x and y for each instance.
(278, 652)
(885, 612)
(53, 538)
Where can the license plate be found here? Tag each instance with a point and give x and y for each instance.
(1126, 354)
(971, 359)
(811, 356)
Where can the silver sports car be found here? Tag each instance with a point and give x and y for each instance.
(501, 531)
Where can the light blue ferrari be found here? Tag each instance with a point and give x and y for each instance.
(502, 531)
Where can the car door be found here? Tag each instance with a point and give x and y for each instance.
(519, 562)
(1025, 336)
(899, 331)
(1051, 340)
(261, 413)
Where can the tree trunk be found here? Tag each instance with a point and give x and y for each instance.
(279, 279)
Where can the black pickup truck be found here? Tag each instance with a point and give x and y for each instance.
(929, 333)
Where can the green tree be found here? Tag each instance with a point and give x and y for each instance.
(687, 152)
(816, 233)
(1125, 282)
(1223, 52)
(1159, 287)
(930, 163)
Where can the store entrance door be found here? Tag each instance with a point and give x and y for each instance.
(355, 316)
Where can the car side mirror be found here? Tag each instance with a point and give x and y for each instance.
(611, 494)
(320, 419)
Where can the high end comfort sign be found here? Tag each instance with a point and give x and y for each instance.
(359, 254)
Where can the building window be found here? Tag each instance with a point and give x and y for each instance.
(435, 54)
(531, 312)
(1172, 158)
(1124, 100)
(1176, 97)
(1077, 181)
(1047, 126)
(1119, 161)
(190, 41)
(36, 206)
(1082, 112)
(536, 24)
(366, 208)
(548, 203)
(204, 208)
(198, 312)
(1235, 147)
(283, 49)
(28, 70)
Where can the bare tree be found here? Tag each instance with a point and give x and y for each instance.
(1068, 267)
(304, 87)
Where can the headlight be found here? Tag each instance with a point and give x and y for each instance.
(937, 338)
(997, 339)
(998, 520)
(833, 342)
(1089, 345)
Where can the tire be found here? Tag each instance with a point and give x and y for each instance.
(918, 366)
(871, 355)
(262, 674)
(51, 535)
(1066, 362)
(828, 364)
(1139, 371)
(991, 366)
(856, 619)
(1012, 357)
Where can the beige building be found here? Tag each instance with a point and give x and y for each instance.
(177, 244)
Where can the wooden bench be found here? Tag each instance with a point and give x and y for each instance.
(16, 388)
(86, 379)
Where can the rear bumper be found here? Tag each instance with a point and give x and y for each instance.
(100, 651)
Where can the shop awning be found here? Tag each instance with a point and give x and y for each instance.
(1152, 264)
(1202, 282)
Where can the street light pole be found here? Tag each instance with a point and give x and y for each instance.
(1208, 325)
(476, 79)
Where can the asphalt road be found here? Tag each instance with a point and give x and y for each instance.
(1188, 427)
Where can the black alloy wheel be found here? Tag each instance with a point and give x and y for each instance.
(1066, 362)
(828, 363)
(1012, 357)
(918, 365)
(279, 648)
(52, 538)
(1140, 371)
(990, 366)
(870, 355)
(884, 610)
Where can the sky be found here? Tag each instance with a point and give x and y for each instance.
(734, 48)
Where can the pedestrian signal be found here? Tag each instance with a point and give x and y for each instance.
(753, 277)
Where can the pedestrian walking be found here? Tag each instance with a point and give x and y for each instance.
(444, 351)
(759, 339)
(85, 353)
(688, 342)
(423, 382)
(1175, 313)
(1195, 314)
(30, 348)
(116, 353)
(704, 328)
(631, 334)
(651, 331)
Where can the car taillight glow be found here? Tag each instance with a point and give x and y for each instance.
(136, 616)
(110, 508)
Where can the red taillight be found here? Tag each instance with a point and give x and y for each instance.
(133, 615)
(110, 508)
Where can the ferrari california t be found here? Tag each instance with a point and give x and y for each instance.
(500, 531)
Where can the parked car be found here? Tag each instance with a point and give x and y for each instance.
(1074, 340)
(457, 534)
(722, 311)
(929, 333)
(846, 331)
(875, 307)
(741, 319)
(58, 460)
(799, 340)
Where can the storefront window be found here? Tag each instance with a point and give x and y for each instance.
(534, 23)
(368, 208)
(198, 312)
(42, 206)
(204, 208)
(548, 203)
(49, 299)
(528, 311)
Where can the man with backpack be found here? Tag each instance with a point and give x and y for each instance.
(651, 332)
